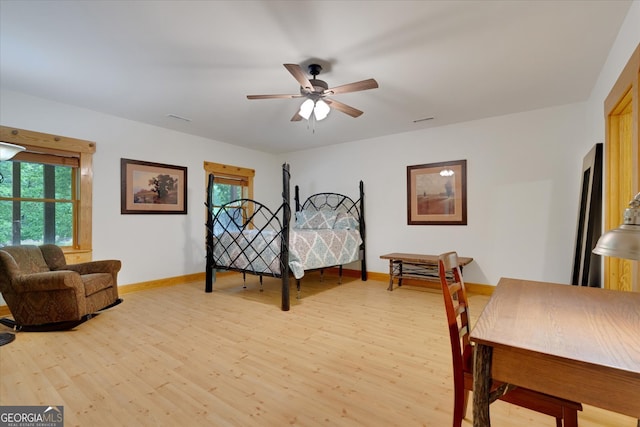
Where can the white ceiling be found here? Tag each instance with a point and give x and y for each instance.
(451, 60)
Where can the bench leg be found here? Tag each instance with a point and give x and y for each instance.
(390, 288)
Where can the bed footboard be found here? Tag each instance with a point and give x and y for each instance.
(246, 236)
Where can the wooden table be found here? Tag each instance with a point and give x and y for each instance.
(415, 266)
(578, 343)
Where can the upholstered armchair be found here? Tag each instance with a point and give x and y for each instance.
(43, 292)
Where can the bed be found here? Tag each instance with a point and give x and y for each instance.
(244, 235)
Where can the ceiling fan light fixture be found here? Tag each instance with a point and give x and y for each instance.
(321, 110)
(306, 109)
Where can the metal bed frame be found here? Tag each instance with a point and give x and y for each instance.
(233, 218)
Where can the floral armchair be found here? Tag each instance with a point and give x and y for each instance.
(43, 292)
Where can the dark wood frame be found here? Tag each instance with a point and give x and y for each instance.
(127, 203)
(458, 189)
(587, 265)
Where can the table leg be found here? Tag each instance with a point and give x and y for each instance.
(390, 288)
(481, 385)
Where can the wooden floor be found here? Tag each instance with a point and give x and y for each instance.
(345, 355)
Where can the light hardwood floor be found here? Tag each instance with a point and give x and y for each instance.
(345, 355)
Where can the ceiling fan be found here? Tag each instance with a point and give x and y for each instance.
(317, 92)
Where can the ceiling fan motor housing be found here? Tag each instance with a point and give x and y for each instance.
(319, 86)
(314, 69)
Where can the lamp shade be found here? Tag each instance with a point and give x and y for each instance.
(306, 109)
(7, 150)
(624, 241)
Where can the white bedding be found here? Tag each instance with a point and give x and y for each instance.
(308, 249)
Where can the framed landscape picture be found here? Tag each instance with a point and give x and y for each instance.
(152, 188)
(437, 193)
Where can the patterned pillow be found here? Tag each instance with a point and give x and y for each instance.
(345, 221)
(315, 220)
(227, 220)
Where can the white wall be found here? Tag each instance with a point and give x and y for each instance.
(150, 246)
(523, 175)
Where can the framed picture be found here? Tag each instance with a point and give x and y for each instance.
(437, 193)
(152, 188)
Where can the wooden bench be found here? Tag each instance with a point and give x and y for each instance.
(416, 267)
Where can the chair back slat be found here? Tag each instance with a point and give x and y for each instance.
(454, 288)
(463, 330)
(456, 305)
(457, 309)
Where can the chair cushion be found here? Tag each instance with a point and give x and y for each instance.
(96, 282)
(28, 257)
(53, 256)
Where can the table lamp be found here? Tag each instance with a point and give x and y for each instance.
(7, 150)
(624, 241)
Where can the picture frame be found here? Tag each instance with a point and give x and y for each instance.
(437, 193)
(152, 188)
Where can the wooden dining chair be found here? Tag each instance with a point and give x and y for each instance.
(457, 308)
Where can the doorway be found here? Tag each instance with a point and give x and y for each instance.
(622, 151)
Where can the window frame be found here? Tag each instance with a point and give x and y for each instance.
(225, 174)
(59, 147)
(228, 174)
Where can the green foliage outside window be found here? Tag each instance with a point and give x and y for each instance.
(224, 193)
(41, 210)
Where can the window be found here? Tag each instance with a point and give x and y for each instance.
(47, 191)
(41, 202)
(230, 183)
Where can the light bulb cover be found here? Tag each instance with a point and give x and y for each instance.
(306, 109)
(321, 110)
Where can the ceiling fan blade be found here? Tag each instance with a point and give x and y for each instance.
(296, 71)
(273, 96)
(296, 117)
(353, 112)
(353, 87)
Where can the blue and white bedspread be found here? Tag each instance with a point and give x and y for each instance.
(258, 252)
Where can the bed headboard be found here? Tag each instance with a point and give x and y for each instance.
(341, 204)
(331, 202)
(335, 202)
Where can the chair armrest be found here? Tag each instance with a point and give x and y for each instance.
(48, 281)
(111, 266)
